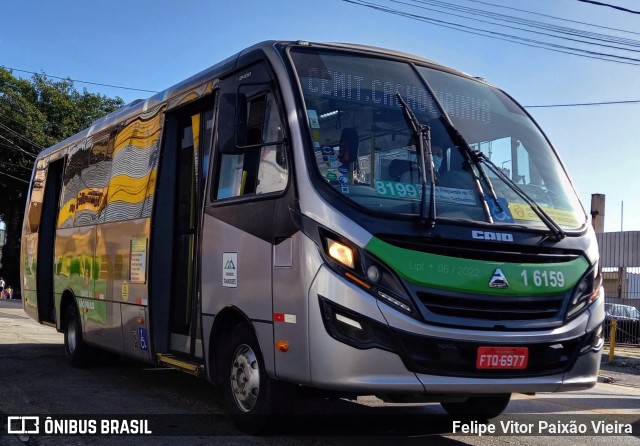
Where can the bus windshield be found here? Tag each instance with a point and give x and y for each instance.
(365, 150)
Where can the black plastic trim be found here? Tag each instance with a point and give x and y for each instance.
(446, 357)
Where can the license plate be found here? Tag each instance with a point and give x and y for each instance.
(502, 358)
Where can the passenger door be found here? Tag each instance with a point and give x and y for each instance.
(195, 130)
(45, 207)
(175, 294)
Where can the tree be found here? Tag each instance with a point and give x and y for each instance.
(35, 114)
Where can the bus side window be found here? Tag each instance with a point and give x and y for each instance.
(272, 171)
(260, 165)
(72, 185)
(35, 205)
(230, 177)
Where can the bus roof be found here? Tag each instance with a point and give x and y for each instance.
(139, 106)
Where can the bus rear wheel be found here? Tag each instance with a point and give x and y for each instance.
(76, 351)
(251, 395)
(481, 407)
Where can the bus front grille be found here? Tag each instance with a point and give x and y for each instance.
(500, 309)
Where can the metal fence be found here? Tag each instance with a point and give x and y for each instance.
(620, 263)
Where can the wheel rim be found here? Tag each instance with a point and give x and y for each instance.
(71, 335)
(245, 378)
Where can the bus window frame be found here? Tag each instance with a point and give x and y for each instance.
(240, 124)
(239, 107)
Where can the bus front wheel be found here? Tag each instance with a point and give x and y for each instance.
(76, 351)
(251, 395)
(481, 406)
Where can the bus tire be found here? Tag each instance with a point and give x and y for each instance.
(251, 395)
(75, 350)
(481, 407)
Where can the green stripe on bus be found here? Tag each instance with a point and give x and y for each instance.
(474, 276)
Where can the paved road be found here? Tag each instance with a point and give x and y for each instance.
(35, 379)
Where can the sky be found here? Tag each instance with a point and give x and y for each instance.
(153, 44)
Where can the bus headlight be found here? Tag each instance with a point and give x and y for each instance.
(362, 269)
(587, 290)
(340, 252)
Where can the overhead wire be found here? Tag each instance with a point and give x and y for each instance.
(18, 148)
(9, 118)
(584, 104)
(79, 81)
(521, 41)
(554, 17)
(15, 178)
(536, 24)
(22, 137)
(6, 163)
(502, 36)
(620, 8)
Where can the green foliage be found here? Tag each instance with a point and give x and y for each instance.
(35, 114)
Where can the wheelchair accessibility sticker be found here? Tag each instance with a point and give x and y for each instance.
(500, 214)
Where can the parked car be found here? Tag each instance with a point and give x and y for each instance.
(628, 323)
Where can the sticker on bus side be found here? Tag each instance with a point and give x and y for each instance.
(230, 269)
(125, 290)
(138, 260)
(144, 343)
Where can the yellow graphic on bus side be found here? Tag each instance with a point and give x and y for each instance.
(129, 171)
(139, 133)
(131, 190)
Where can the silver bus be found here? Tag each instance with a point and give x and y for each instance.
(336, 217)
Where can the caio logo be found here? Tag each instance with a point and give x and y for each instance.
(492, 236)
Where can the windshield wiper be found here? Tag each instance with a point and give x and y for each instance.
(478, 158)
(423, 136)
(461, 142)
(554, 227)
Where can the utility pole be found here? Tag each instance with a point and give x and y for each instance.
(597, 212)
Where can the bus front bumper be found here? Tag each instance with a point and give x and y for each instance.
(360, 345)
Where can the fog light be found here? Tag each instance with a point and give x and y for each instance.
(373, 273)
